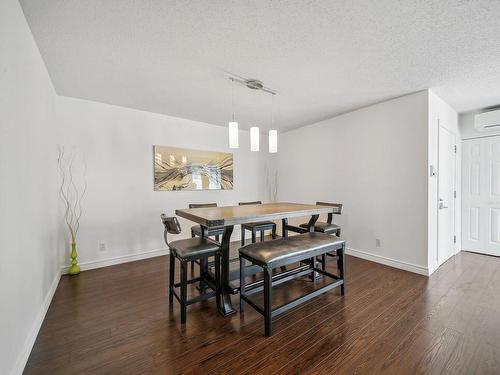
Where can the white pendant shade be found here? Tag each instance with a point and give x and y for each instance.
(254, 138)
(233, 135)
(273, 141)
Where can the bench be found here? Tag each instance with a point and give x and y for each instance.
(302, 249)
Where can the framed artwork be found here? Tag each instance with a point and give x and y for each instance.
(186, 169)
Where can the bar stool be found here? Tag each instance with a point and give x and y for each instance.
(201, 231)
(327, 227)
(185, 251)
(259, 226)
(198, 230)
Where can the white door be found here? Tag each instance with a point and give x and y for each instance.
(446, 195)
(481, 195)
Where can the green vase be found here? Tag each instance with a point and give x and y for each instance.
(74, 269)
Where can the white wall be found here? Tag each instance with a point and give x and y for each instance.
(29, 237)
(440, 113)
(374, 161)
(121, 209)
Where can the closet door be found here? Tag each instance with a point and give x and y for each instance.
(481, 195)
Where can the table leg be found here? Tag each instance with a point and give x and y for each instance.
(311, 224)
(202, 285)
(226, 307)
(284, 223)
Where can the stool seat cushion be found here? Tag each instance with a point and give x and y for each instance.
(283, 248)
(192, 248)
(258, 224)
(213, 231)
(322, 227)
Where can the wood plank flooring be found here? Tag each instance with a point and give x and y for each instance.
(117, 320)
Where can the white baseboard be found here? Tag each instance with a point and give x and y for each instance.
(432, 268)
(388, 261)
(117, 260)
(30, 341)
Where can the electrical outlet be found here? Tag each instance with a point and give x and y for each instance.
(102, 246)
(377, 242)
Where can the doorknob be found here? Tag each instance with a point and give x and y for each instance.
(441, 204)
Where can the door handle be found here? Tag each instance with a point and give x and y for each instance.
(441, 204)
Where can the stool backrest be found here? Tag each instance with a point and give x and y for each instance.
(171, 223)
(337, 209)
(202, 205)
(246, 203)
(172, 226)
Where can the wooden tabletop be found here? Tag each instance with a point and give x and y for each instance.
(232, 215)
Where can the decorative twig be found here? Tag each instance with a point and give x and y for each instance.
(70, 194)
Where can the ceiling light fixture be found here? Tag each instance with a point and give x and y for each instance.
(273, 141)
(254, 138)
(253, 84)
(273, 133)
(233, 125)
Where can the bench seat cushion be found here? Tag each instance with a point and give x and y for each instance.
(301, 246)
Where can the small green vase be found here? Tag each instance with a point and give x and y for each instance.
(74, 269)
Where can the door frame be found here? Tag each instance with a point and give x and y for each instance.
(455, 166)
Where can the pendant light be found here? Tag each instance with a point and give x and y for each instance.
(273, 141)
(233, 125)
(253, 84)
(233, 135)
(254, 138)
(273, 134)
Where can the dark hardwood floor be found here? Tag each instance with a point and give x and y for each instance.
(117, 320)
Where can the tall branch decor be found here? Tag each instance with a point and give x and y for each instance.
(271, 183)
(72, 197)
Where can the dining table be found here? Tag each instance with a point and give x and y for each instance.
(229, 216)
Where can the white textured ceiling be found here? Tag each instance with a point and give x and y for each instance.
(323, 57)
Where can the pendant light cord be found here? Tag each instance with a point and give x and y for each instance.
(232, 96)
(272, 111)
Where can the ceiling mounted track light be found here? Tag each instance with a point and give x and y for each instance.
(252, 83)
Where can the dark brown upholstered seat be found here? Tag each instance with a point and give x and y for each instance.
(272, 252)
(323, 227)
(193, 248)
(258, 224)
